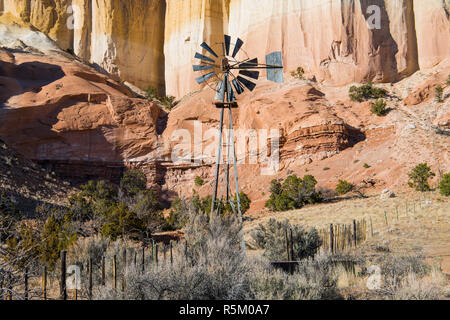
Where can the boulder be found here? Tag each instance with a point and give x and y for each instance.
(386, 194)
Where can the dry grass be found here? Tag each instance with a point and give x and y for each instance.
(423, 223)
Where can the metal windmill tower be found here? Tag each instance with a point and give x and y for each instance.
(222, 70)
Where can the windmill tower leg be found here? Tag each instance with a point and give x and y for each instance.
(219, 156)
(238, 198)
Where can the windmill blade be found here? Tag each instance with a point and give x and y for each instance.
(275, 74)
(227, 44)
(204, 77)
(238, 87)
(220, 93)
(237, 47)
(202, 67)
(249, 64)
(207, 48)
(250, 74)
(231, 96)
(250, 85)
(202, 57)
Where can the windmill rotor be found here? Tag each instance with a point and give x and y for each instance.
(227, 66)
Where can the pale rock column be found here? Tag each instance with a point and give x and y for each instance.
(188, 24)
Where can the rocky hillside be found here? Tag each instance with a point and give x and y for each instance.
(152, 42)
(29, 184)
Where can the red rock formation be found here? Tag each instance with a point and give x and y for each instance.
(65, 113)
(84, 125)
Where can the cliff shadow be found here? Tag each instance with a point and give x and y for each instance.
(355, 136)
(26, 77)
(384, 46)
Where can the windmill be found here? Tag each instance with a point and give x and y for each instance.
(228, 72)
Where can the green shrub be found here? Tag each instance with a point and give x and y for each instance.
(9, 216)
(379, 107)
(272, 238)
(366, 92)
(344, 187)
(80, 208)
(366, 166)
(178, 215)
(245, 201)
(199, 181)
(444, 185)
(152, 93)
(245, 204)
(419, 176)
(448, 80)
(99, 190)
(168, 102)
(120, 221)
(298, 73)
(201, 205)
(57, 235)
(133, 182)
(438, 93)
(294, 193)
(22, 248)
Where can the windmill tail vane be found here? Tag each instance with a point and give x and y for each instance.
(228, 70)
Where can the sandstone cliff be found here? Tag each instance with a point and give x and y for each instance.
(152, 42)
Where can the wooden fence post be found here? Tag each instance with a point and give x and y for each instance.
(124, 268)
(396, 211)
(90, 279)
(114, 272)
(386, 219)
(171, 254)
(143, 258)
(10, 295)
(354, 234)
(62, 283)
(44, 283)
(135, 258)
(156, 253)
(371, 227)
(103, 271)
(292, 245)
(331, 238)
(26, 283)
(287, 244)
(153, 251)
(185, 250)
(164, 252)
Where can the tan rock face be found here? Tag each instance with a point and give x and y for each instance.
(433, 36)
(124, 38)
(330, 39)
(152, 42)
